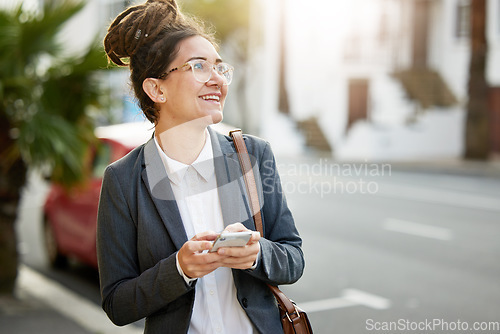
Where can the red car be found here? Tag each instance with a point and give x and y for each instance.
(70, 216)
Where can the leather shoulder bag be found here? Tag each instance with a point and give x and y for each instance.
(293, 319)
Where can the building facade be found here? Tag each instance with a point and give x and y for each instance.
(360, 79)
(381, 79)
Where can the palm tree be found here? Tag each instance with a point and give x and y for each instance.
(44, 111)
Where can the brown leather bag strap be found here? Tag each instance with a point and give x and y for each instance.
(283, 300)
(290, 309)
(246, 168)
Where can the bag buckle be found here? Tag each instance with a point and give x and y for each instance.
(296, 312)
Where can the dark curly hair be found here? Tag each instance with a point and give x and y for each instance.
(146, 38)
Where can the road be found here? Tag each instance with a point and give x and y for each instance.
(415, 251)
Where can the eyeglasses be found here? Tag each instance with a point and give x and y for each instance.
(202, 70)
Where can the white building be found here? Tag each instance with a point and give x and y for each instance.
(341, 57)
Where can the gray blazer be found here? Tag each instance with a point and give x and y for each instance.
(139, 231)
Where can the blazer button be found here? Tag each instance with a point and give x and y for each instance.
(244, 301)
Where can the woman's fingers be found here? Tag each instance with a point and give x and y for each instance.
(207, 235)
(255, 237)
(239, 257)
(195, 262)
(236, 227)
(239, 227)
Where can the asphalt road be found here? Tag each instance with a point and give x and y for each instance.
(413, 252)
(418, 252)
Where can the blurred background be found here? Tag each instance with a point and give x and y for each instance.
(384, 116)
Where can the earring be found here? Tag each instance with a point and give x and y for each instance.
(162, 99)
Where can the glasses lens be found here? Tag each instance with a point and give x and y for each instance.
(226, 71)
(202, 71)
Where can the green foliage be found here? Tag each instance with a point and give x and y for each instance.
(44, 96)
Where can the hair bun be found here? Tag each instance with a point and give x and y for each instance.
(170, 2)
(136, 25)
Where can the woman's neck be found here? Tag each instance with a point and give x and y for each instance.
(183, 142)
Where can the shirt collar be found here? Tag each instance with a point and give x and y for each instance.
(204, 163)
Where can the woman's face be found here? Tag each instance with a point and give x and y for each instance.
(187, 99)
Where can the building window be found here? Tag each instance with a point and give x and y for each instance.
(462, 23)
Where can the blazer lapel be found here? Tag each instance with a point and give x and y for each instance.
(230, 184)
(156, 179)
(231, 187)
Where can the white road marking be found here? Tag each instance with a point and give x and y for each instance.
(440, 196)
(81, 310)
(68, 303)
(326, 304)
(350, 297)
(366, 299)
(418, 229)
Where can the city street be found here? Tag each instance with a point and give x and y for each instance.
(423, 247)
(383, 248)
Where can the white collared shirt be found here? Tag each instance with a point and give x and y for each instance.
(216, 308)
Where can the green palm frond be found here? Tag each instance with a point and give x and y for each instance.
(9, 26)
(37, 34)
(49, 135)
(72, 84)
(46, 97)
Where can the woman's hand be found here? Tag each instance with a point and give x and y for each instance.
(195, 262)
(240, 257)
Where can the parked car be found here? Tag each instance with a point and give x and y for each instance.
(70, 215)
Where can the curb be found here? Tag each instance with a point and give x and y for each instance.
(66, 302)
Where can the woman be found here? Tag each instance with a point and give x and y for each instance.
(162, 205)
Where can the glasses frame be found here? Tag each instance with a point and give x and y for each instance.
(194, 61)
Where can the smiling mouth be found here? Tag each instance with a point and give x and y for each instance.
(213, 98)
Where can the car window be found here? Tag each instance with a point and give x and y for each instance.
(101, 160)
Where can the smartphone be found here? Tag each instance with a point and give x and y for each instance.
(231, 239)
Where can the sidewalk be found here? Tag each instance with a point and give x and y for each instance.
(458, 167)
(490, 169)
(43, 306)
